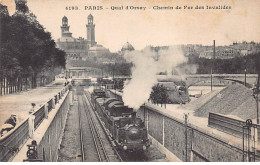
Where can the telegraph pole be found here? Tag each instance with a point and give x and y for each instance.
(114, 73)
(186, 136)
(212, 66)
(256, 89)
(245, 70)
(257, 99)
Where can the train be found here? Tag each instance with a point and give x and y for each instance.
(128, 131)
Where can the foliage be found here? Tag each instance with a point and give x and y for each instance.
(26, 49)
(159, 94)
(227, 66)
(123, 69)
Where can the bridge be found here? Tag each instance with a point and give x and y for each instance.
(198, 79)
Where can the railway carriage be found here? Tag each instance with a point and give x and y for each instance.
(124, 127)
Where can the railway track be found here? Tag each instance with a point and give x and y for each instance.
(81, 137)
(122, 156)
(99, 147)
(115, 155)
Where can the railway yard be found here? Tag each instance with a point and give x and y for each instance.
(84, 133)
(88, 140)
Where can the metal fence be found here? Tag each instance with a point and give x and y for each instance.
(229, 125)
(50, 105)
(39, 116)
(48, 146)
(11, 143)
(14, 140)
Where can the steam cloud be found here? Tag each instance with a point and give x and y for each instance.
(91, 89)
(144, 71)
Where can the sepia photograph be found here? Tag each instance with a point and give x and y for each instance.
(129, 81)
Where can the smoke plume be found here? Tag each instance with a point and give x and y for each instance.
(91, 89)
(147, 64)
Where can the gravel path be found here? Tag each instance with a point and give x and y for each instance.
(70, 145)
(20, 103)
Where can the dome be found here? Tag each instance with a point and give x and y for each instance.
(127, 46)
(90, 16)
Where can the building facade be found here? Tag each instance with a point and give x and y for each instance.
(79, 48)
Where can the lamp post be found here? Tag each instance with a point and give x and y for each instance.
(212, 67)
(256, 96)
(245, 69)
(256, 89)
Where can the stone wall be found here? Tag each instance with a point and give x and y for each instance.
(199, 146)
(49, 144)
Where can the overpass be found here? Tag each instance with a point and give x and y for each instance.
(197, 79)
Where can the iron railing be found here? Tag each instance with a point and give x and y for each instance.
(15, 139)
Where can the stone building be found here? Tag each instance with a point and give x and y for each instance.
(79, 48)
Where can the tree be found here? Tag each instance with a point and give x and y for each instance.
(27, 51)
(159, 94)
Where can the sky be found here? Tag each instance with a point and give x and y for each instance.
(152, 27)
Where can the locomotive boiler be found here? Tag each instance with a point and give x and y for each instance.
(127, 130)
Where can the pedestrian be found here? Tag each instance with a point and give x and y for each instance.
(8, 125)
(31, 124)
(11, 120)
(46, 110)
(32, 109)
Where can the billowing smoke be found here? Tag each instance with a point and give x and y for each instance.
(91, 89)
(183, 70)
(146, 65)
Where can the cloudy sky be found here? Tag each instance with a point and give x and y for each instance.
(152, 27)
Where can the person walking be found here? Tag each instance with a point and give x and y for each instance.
(31, 121)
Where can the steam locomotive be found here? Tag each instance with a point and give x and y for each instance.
(127, 130)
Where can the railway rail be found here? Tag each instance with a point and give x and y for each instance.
(109, 139)
(99, 147)
(122, 156)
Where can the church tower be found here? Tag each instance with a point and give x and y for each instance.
(91, 31)
(64, 27)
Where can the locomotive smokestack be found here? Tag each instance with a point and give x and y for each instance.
(133, 116)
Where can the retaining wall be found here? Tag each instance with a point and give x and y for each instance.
(49, 132)
(49, 144)
(187, 142)
(199, 146)
(13, 141)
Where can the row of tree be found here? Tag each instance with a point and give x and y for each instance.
(235, 65)
(198, 65)
(28, 54)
